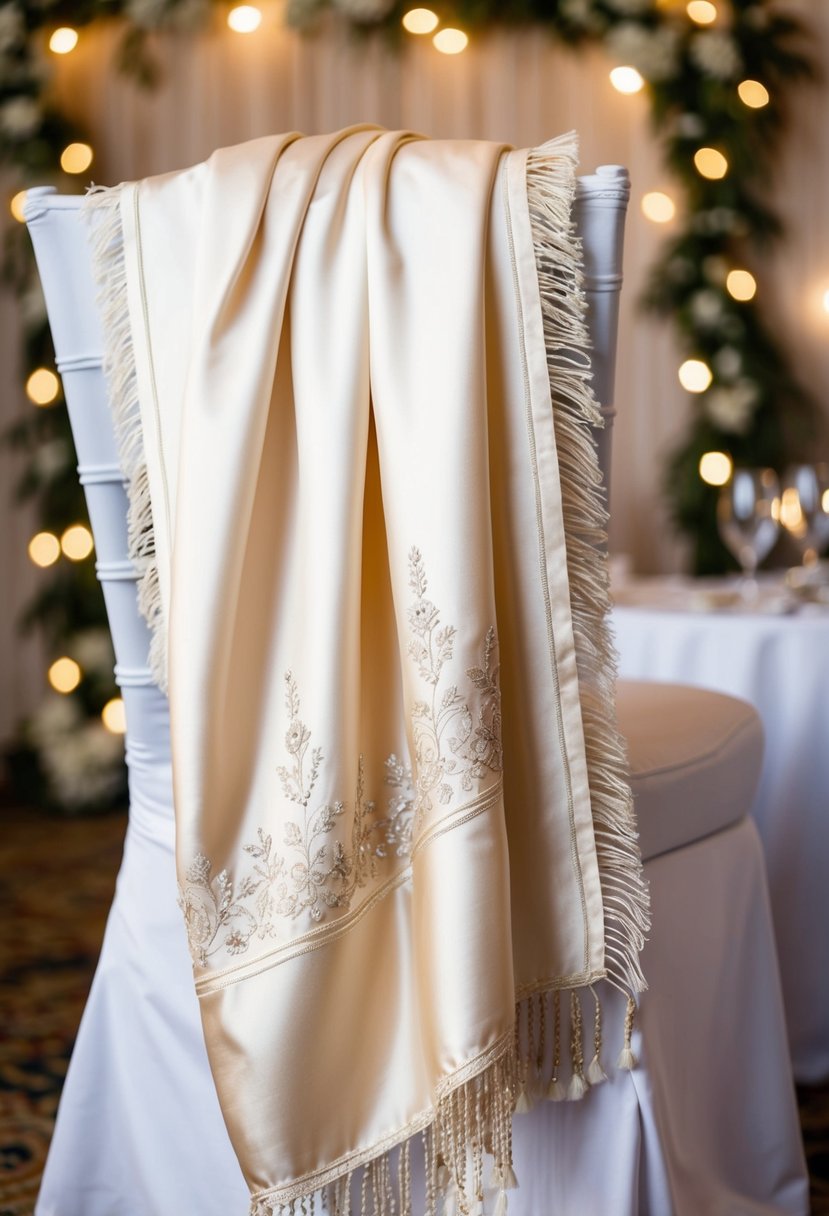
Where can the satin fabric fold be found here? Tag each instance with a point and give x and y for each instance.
(349, 501)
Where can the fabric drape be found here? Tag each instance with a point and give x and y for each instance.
(350, 381)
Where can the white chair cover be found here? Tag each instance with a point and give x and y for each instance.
(139, 1131)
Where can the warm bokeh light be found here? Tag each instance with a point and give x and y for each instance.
(76, 158)
(451, 41)
(715, 468)
(824, 501)
(710, 163)
(63, 40)
(16, 206)
(64, 675)
(741, 284)
(701, 11)
(114, 716)
(826, 300)
(694, 375)
(77, 542)
(626, 80)
(420, 21)
(658, 207)
(44, 549)
(244, 18)
(791, 512)
(42, 387)
(753, 94)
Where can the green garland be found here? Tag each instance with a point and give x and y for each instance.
(754, 408)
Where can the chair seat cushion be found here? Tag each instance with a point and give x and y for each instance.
(695, 759)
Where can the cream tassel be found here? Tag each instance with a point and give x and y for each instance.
(627, 1060)
(501, 1205)
(555, 1090)
(595, 1073)
(578, 1086)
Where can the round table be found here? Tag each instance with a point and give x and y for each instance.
(672, 630)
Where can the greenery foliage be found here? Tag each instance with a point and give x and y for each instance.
(754, 408)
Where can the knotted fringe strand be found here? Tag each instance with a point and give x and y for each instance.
(102, 211)
(551, 187)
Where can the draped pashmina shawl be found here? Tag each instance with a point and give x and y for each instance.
(352, 396)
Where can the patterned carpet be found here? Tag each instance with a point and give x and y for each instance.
(56, 883)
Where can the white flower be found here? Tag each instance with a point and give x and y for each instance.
(581, 14)
(364, 11)
(12, 28)
(728, 362)
(715, 53)
(53, 718)
(689, 125)
(652, 51)
(52, 458)
(706, 307)
(731, 408)
(20, 117)
(93, 650)
(716, 220)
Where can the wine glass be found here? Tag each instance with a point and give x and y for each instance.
(804, 508)
(748, 518)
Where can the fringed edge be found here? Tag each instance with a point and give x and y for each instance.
(551, 187)
(102, 211)
(466, 1141)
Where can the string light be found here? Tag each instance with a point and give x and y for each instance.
(63, 40)
(626, 79)
(450, 41)
(715, 468)
(741, 284)
(420, 21)
(710, 163)
(658, 207)
(753, 94)
(42, 387)
(64, 675)
(244, 18)
(694, 375)
(703, 12)
(76, 158)
(791, 513)
(16, 206)
(114, 716)
(77, 542)
(44, 549)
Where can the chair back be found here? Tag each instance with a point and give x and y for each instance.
(60, 241)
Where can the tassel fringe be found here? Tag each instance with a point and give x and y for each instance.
(103, 211)
(551, 187)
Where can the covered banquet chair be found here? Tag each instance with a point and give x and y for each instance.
(707, 1122)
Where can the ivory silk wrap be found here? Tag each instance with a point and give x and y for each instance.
(369, 537)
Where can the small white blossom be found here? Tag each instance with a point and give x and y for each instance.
(731, 409)
(12, 29)
(93, 650)
(689, 126)
(706, 307)
(364, 11)
(582, 14)
(715, 53)
(653, 52)
(20, 117)
(728, 362)
(715, 220)
(53, 458)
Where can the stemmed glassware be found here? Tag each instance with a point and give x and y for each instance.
(804, 509)
(748, 518)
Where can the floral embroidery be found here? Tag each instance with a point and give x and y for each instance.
(312, 871)
(475, 743)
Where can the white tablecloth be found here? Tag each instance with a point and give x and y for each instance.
(780, 663)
